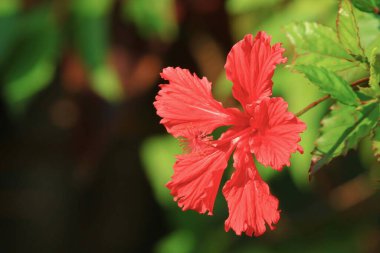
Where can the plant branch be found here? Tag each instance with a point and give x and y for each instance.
(320, 100)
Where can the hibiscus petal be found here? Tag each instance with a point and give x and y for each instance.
(250, 66)
(196, 178)
(278, 133)
(250, 204)
(187, 103)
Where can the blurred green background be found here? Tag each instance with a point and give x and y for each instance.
(84, 160)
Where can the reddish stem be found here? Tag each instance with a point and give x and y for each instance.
(320, 100)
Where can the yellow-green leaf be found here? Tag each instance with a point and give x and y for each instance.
(106, 83)
(329, 83)
(342, 129)
(237, 7)
(318, 45)
(9, 7)
(348, 31)
(91, 8)
(374, 78)
(312, 37)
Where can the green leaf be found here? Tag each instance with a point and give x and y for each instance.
(331, 63)
(39, 39)
(329, 83)
(106, 83)
(348, 31)
(369, 32)
(374, 78)
(31, 66)
(348, 70)
(153, 18)
(95, 30)
(367, 5)
(318, 45)
(368, 92)
(237, 7)
(89, 9)
(9, 7)
(19, 91)
(8, 34)
(309, 37)
(342, 129)
(376, 142)
(180, 241)
(353, 74)
(9, 18)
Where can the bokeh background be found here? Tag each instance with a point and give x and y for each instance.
(83, 159)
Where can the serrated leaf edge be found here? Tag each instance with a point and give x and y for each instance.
(356, 26)
(318, 161)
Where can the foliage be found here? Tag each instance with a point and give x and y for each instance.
(31, 39)
(153, 18)
(367, 5)
(342, 129)
(341, 62)
(338, 54)
(330, 83)
(326, 58)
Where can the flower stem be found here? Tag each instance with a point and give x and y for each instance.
(320, 100)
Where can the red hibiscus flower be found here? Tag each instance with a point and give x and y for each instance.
(263, 128)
